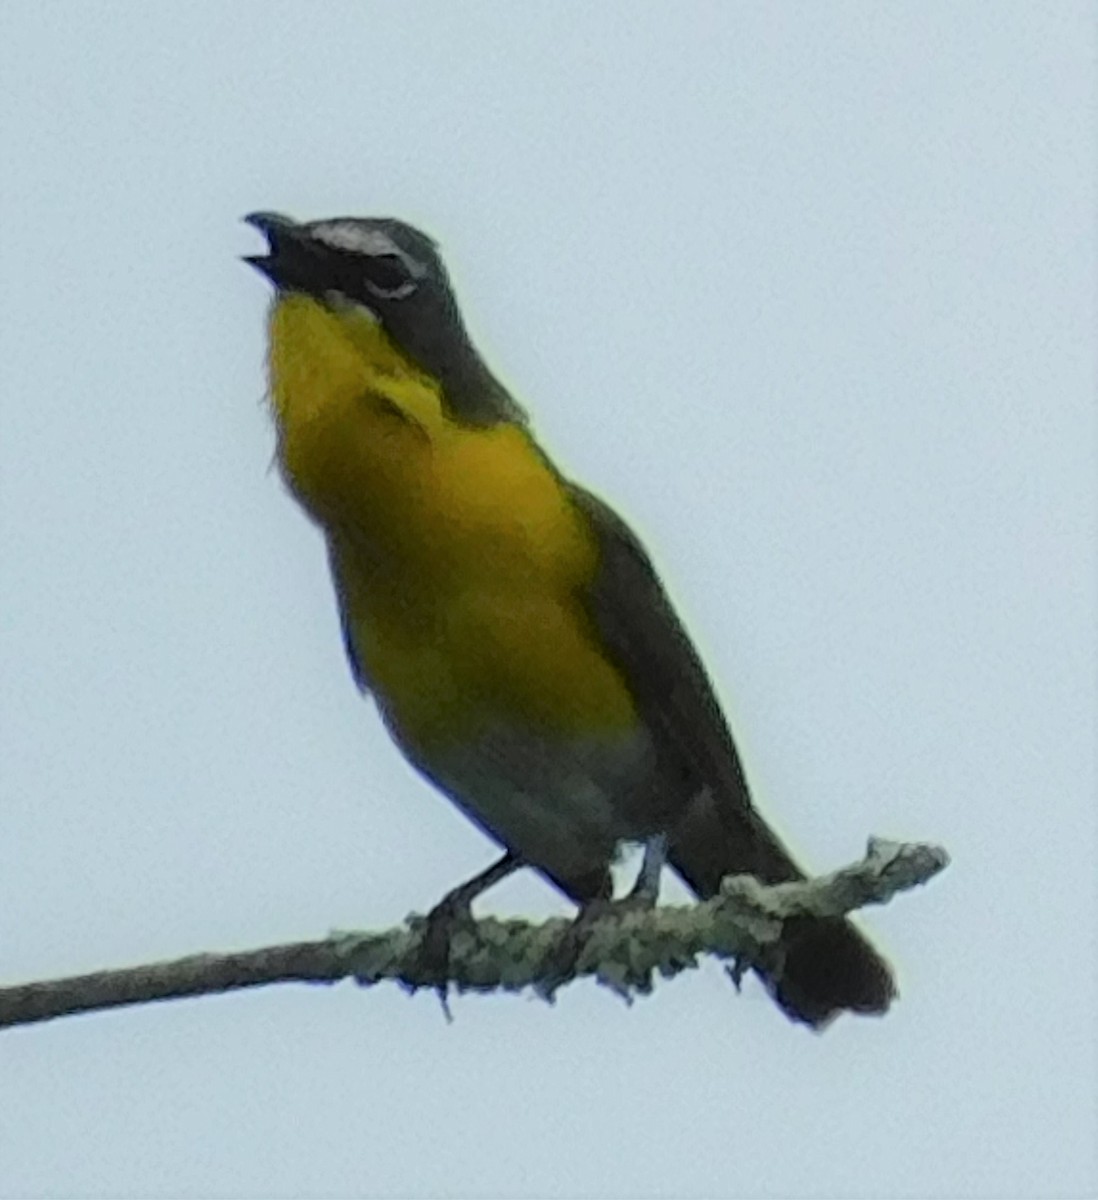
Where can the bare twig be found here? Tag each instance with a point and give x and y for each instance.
(625, 952)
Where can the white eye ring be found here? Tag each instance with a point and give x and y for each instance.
(371, 246)
(397, 293)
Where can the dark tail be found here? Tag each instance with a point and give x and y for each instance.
(827, 965)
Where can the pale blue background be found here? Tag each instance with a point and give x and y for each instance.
(807, 290)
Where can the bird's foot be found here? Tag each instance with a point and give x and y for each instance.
(453, 914)
(566, 957)
(430, 963)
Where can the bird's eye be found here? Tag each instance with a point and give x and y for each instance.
(388, 275)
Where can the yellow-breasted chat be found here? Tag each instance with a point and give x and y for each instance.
(509, 625)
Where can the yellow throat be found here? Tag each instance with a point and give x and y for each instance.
(459, 555)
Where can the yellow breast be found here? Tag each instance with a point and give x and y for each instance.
(460, 560)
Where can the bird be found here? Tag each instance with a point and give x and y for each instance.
(508, 623)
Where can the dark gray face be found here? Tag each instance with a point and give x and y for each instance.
(379, 264)
(394, 271)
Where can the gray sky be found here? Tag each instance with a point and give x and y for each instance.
(808, 292)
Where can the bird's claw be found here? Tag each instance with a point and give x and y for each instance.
(430, 966)
(565, 957)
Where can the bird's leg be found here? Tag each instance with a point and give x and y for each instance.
(453, 911)
(643, 895)
(646, 890)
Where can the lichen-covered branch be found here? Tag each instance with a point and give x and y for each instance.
(624, 952)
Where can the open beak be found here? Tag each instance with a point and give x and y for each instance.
(287, 248)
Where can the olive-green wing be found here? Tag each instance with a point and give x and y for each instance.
(827, 965)
(720, 832)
